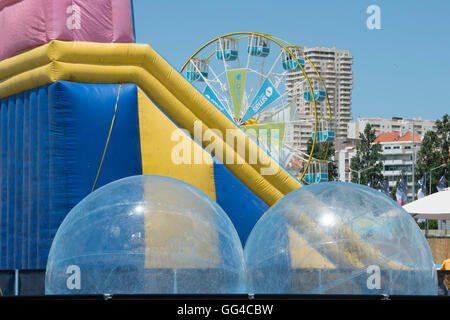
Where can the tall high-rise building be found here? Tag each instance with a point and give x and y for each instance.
(335, 68)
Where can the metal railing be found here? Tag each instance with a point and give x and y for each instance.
(32, 283)
(437, 233)
(22, 282)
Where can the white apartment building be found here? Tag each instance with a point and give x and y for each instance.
(335, 68)
(345, 151)
(382, 125)
(397, 156)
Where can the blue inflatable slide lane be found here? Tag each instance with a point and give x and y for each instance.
(56, 135)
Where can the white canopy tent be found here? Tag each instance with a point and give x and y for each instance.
(434, 207)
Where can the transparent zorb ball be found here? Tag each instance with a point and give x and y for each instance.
(339, 238)
(146, 235)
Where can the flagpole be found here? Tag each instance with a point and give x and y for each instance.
(413, 165)
(442, 165)
(430, 183)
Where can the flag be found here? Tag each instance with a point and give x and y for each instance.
(236, 86)
(442, 184)
(384, 186)
(422, 188)
(402, 189)
(265, 96)
(212, 97)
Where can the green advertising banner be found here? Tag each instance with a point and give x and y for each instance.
(271, 132)
(236, 84)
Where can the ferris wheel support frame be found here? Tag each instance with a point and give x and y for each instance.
(278, 41)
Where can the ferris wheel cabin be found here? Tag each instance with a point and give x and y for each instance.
(258, 46)
(315, 177)
(288, 61)
(325, 131)
(197, 70)
(227, 49)
(318, 88)
(317, 172)
(324, 136)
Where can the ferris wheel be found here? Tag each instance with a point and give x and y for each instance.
(259, 82)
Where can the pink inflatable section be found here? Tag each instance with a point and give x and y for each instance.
(25, 24)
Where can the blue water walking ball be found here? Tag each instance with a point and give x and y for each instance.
(339, 238)
(146, 235)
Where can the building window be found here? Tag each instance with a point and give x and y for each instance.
(397, 147)
(387, 148)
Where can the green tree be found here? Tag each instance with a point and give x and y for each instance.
(394, 192)
(368, 155)
(432, 225)
(443, 131)
(434, 152)
(324, 151)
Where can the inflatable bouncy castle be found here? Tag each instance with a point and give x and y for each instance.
(82, 105)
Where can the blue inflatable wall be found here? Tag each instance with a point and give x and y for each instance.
(52, 140)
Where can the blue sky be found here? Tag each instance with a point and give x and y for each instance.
(401, 70)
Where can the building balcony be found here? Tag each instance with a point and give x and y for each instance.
(397, 162)
(396, 173)
(401, 151)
